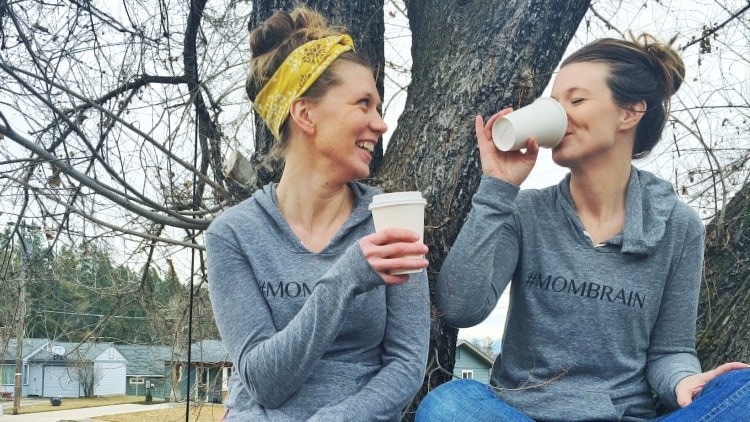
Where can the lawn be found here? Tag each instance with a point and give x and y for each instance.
(71, 403)
(204, 413)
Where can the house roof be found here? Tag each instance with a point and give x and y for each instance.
(471, 348)
(206, 351)
(141, 360)
(30, 346)
(44, 350)
(85, 351)
(145, 360)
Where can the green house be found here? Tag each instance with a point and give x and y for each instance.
(472, 363)
(147, 369)
(209, 371)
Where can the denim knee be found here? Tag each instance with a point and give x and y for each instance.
(466, 399)
(737, 377)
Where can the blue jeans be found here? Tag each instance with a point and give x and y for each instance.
(725, 398)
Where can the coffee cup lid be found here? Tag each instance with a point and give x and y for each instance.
(397, 198)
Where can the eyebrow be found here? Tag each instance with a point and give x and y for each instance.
(572, 90)
(370, 96)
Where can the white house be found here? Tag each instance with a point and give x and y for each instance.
(56, 369)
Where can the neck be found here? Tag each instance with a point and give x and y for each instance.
(599, 194)
(599, 199)
(314, 206)
(311, 202)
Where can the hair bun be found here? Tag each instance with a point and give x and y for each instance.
(666, 61)
(275, 38)
(271, 33)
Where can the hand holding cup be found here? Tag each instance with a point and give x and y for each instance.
(391, 253)
(510, 166)
(545, 120)
(401, 210)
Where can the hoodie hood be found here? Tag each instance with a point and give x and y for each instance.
(649, 202)
(265, 199)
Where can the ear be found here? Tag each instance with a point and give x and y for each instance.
(633, 114)
(301, 112)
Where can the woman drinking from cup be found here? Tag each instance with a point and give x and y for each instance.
(604, 268)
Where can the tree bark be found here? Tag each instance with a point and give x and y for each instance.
(724, 307)
(469, 58)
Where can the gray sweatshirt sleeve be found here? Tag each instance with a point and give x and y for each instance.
(404, 358)
(273, 365)
(671, 353)
(483, 258)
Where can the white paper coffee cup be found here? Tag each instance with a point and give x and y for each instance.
(544, 119)
(399, 209)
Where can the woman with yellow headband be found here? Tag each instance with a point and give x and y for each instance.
(315, 324)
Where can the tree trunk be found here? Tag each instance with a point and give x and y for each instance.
(469, 58)
(364, 18)
(724, 308)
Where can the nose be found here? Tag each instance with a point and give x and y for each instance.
(567, 114)
(378, 125)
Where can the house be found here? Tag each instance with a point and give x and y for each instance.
(209, 370)
(59, 369)
(147, 369)
(472, 363)
(56, 369)
(8, 365)
(162, 369)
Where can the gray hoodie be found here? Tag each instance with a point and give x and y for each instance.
(312, 336)
(593, 332)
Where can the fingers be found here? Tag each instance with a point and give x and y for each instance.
(484, 130)
(729, 366)
(392, 235)
(688, 388)
(390, 269)
(394, 250)
(532, 147)
(691, 385)
(511, 166)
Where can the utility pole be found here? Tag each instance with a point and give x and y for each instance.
(26, 251)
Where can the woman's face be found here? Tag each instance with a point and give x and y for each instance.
(595, 130)
(348, 123)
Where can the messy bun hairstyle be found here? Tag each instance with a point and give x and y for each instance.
(641, 69)
(277, 37)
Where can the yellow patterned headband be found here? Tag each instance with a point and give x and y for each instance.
(295, 76)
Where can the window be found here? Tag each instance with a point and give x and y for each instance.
(136, 380)
(26, 375)
(9, 374)
(226, 373)
(467, 374)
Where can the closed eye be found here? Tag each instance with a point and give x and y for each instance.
(576, 101)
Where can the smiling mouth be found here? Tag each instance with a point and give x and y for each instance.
(367, 145)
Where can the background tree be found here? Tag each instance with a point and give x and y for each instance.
(724, 315)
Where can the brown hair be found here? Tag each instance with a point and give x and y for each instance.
(641, 69)
(275, 38)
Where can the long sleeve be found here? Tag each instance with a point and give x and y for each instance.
(481, 262)
(671, 352)
(404, 358)
(272, 364)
